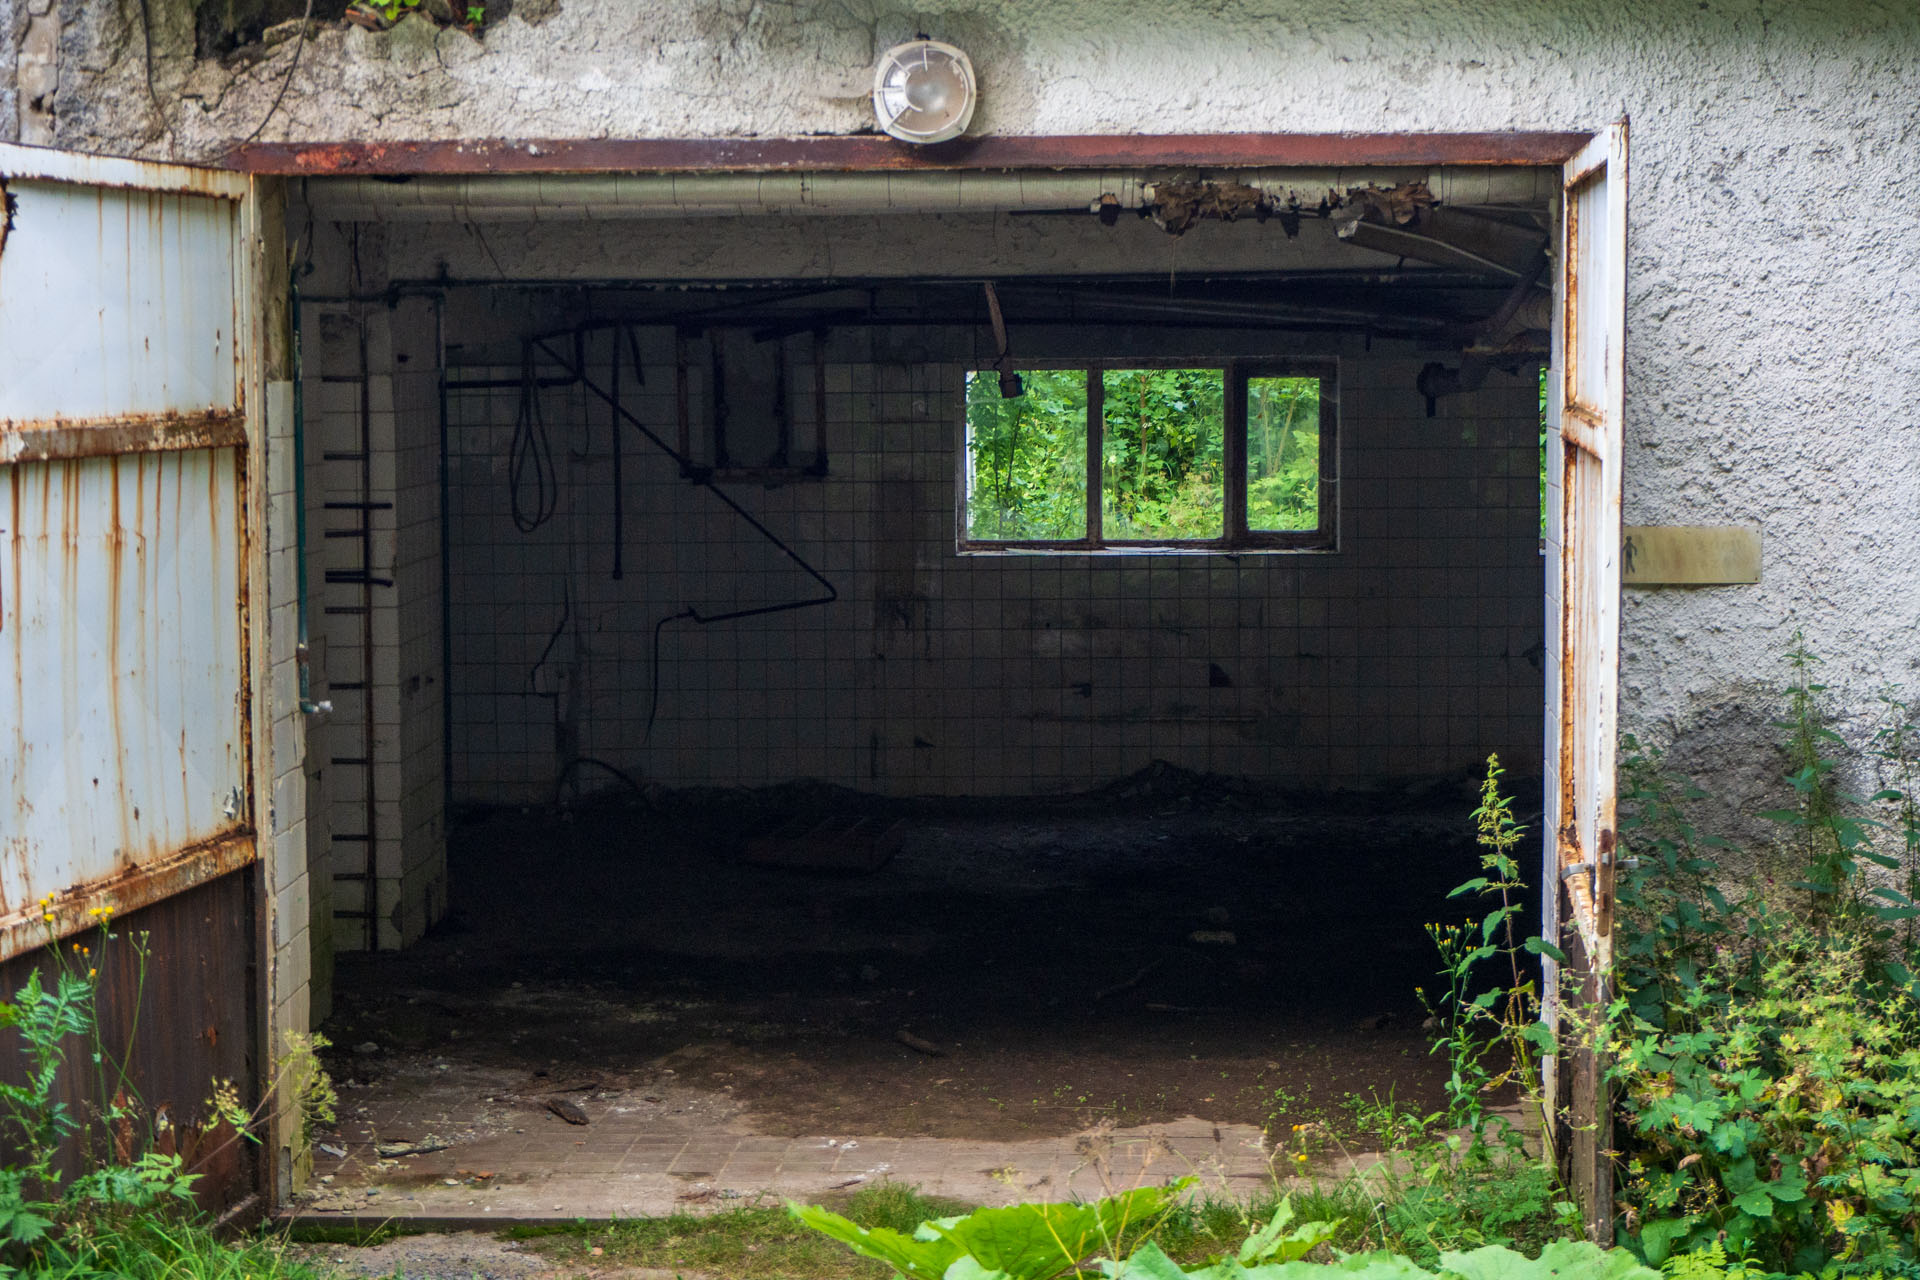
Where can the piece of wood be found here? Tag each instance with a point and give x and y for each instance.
(1689, 555)
(567, 1110)
(918, 1045)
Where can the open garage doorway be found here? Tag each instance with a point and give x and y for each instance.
(827, 689)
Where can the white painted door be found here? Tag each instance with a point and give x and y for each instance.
(126, 341)
(1585, 408)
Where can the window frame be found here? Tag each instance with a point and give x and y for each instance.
(1236, 537)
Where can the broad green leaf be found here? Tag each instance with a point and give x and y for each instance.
(1274, 1243)
(1564, 1260)
(1541, 947)
(1658, 1237)
(1354, 1266)
(1147, 1263)
(1028, 1241)
(915, 1259)
(968, 1269)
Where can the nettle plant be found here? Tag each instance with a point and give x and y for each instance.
(1490, 1032)
(1767, 1044)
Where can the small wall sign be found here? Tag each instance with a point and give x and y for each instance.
(1654, 555)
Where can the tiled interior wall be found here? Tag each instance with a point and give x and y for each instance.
(1414, 650)
(401, 687)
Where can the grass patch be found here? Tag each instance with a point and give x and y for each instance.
(152, 1249)
(752, 1242)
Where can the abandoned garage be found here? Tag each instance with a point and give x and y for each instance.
(737, 653)
(913, 781)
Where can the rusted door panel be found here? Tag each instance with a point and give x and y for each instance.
(120, 667)
(123, 536)
(1587, 405)
(116, 303)
(127, 774)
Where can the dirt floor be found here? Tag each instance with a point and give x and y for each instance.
(1169, 949)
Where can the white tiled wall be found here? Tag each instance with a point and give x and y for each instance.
(404, 674)
(1412, 651)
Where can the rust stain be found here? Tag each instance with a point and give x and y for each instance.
(243, 534)
(23, 929)
(8, 208)
(116, 549)
(669, 155)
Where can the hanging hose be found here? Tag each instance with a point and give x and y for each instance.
(531, 451)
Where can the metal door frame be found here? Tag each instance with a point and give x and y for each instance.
(1578, 152)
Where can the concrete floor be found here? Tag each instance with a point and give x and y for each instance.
(1114, 996)
(652, 1151)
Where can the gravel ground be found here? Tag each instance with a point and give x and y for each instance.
(462, 1255)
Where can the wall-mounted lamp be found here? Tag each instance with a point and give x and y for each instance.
(924, 91)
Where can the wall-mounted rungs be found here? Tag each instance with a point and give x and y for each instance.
(343, 457)
(349, 760)
(358, 577)
(344, 533)
(359, 506)
(350, 839)
(346, 608)
(346, 686)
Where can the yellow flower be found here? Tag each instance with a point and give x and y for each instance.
(48, 917)
(91, 972)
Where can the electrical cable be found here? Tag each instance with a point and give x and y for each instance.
(306, 23)
(566, 614)
(531, 448)
(619, 485)
(705, 480)
(653, 704)
(560, 782)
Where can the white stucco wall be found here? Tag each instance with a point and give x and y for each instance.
(1774, 360)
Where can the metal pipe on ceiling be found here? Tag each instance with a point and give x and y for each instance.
(524, 197)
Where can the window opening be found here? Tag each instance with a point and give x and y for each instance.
(1234, 455)
(1162, 454)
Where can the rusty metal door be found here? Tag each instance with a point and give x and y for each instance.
(125, 344)
(1585, 408)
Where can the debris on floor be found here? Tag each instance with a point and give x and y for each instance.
(1013, 975)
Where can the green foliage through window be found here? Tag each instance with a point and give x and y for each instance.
(1161, 461)
(1027, 458)
(1163, 451)
(1283, 453)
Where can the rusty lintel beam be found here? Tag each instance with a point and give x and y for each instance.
(108, 437)
(871, 152)
(26, 928)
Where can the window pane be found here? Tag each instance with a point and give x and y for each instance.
(1027, 457)
(1162, 469)
(1283, 454)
